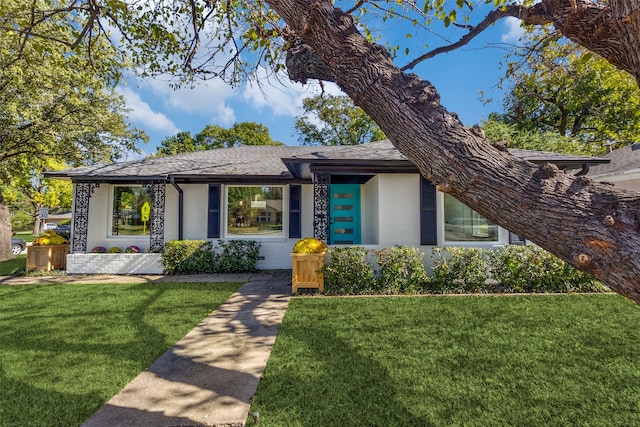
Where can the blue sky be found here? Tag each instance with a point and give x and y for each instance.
(458, 76)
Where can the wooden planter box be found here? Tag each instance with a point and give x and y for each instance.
(47, 257)
(304, 273)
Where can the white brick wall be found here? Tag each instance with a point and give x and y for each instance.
(114, 264)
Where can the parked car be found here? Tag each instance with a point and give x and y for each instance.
(50, 226)
(64, 228)
(18, 245)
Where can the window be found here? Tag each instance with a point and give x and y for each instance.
(131, 211)
(463, 224)
(254, 211)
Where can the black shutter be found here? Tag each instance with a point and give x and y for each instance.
(428, 223)
(213, 225)
(295, 211)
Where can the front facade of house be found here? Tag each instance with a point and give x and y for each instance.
(368, 195)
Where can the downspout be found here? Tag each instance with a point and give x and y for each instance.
(180, 203)
(584, 171)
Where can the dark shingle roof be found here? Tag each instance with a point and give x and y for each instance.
(236, 161)
(373, 151)
(623, 160)
(262, 161)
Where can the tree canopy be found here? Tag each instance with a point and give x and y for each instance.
(214, 136)
(57, 102)
(592, 226)
(27, 193)
(500, 132)
(334, 120)
(556, 86)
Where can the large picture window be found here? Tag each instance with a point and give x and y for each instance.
(463, 224)
(131, 211)
(255, 211)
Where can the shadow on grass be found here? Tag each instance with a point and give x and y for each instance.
(357, 391)
(26, 405)
(65, 351)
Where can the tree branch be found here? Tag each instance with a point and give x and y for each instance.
(529, 15)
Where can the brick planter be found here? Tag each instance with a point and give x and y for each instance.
(47, 257)
(304, 272)
(122, 263)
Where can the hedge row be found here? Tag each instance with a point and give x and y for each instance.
(399, 270)
(202, 257)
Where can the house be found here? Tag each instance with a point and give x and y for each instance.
(623, 170)
(367, 195)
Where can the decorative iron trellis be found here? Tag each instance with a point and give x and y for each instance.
(83, 190)
(321, 205)
(157, 191)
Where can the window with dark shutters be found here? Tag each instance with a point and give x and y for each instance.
(213, 224)
(428, 234)
(295, 211)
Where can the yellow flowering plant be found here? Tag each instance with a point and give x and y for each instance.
(310, 245)
(50, 238)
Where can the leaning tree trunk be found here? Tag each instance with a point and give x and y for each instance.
(592, 226)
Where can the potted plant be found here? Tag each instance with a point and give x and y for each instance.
(48, 252)
(307, 261)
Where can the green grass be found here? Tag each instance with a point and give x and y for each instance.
(13, 266)
(27, 236)
(67, 349)
(571, 360)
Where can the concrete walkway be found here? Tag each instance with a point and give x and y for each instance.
(210, 376)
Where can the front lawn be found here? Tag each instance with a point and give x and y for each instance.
(13, 266)
(67, 349)
(473, 361)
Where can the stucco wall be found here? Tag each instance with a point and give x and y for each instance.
(631, 184)
(390, 216)
(399, 210)
(370, 212)
(195, 211)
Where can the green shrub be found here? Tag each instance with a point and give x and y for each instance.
(514, 268)
(201, 257)
(236, 256)
(348, 272)
(187, 257)
(401, 270)
(532, 269)
(459, 270)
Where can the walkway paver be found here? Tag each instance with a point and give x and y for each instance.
(209, 377)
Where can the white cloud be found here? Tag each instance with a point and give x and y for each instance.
(206, 99)
(144, 116)
(282, 96)
(513, 30)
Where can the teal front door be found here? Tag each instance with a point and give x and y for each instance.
(344, 214)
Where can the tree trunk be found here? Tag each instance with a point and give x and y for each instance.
(590, 225)
(5, 231)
